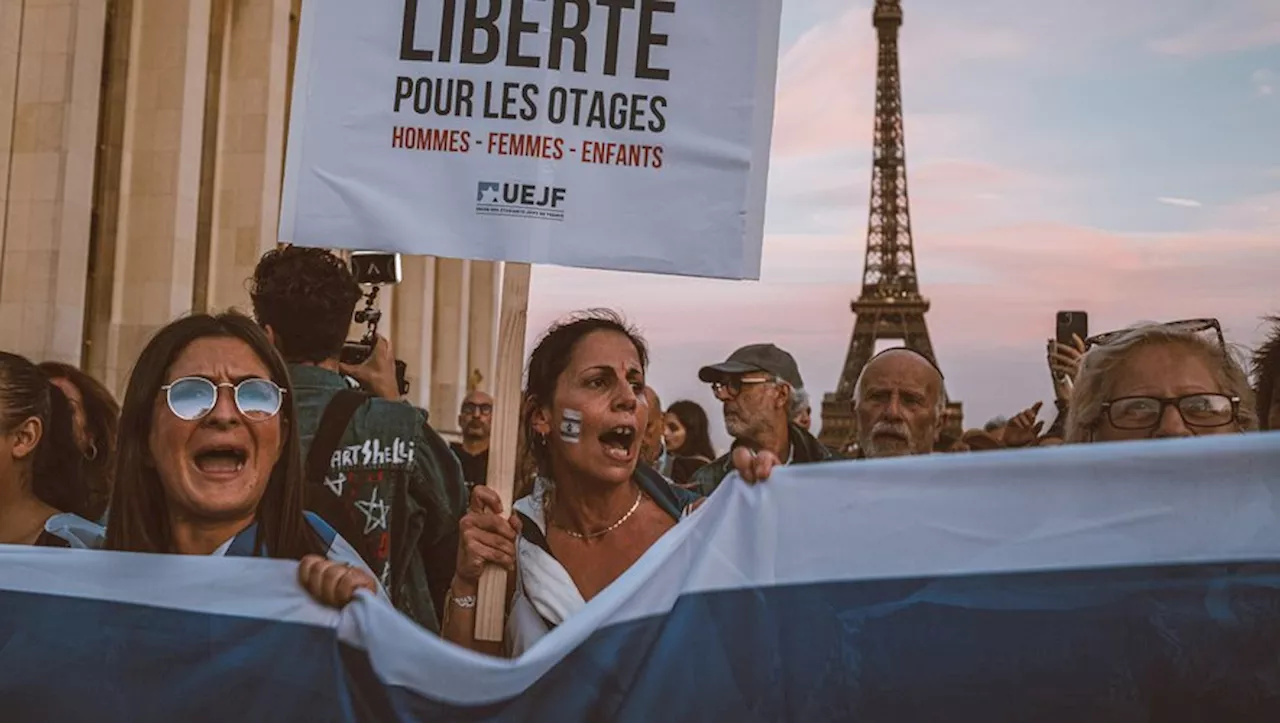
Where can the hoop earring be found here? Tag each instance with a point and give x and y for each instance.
(92, 454)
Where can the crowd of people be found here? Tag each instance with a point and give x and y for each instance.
(248, 436)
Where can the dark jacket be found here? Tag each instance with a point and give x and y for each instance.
(475, 468)
(805, 449)
(401, 480)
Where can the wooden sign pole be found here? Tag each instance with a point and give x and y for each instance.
(504, 435)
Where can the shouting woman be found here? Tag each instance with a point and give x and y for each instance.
(593, 510)
(208, 459)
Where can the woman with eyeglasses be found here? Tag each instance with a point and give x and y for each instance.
(1159, 380)
(43, 492)
(208, 460)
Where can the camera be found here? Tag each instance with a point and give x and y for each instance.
(373, 269)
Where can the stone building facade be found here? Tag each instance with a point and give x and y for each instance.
(142, 149)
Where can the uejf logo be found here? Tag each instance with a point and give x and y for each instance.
(527, 200)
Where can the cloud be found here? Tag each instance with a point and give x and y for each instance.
(1223, 26)
(827, 83)
(1182, 202)
(993, 291)
(1263, 82)
(1261, 212)
(1001, 245)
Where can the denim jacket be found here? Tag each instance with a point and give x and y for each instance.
(404, 484)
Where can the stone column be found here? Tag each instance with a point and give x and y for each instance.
(449, 351)
(107, 188)
(483, 324)
(51, 114)
(160, 175)
(11, 12)
(412, 331)
(249, 155)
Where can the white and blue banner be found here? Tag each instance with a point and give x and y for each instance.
(612, 134)
(1118, 582)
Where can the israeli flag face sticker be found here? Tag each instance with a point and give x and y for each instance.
(571, 426)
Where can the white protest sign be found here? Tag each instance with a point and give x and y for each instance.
(615, 134)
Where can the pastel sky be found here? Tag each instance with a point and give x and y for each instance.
(1117, 156)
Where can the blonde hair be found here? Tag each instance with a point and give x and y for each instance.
(1096, 381)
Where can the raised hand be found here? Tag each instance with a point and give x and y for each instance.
(1064, 365)
(378, 372)
(1023, 429)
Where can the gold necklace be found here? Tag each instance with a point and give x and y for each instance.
(610, 528)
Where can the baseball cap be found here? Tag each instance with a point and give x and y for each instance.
(755, 358)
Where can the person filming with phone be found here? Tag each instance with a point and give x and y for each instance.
(375, 470)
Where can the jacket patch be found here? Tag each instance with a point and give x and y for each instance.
(373, 453)
(375, 512)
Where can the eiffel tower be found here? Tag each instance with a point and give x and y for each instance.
(890, 306)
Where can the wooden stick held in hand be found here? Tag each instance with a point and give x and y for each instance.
(504, 435)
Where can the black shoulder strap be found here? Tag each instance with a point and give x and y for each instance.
(659, 490)
(337, 415)
(530, 531)
(330, 507)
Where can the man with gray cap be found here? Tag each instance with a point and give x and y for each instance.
(755, 385)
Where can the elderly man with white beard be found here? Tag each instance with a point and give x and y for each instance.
(899, 402)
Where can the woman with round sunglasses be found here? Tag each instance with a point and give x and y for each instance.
(43, 490)
(208, 460)
(1155, 381)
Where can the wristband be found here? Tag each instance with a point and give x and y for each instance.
(466, 602)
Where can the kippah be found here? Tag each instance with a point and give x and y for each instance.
(913, 351)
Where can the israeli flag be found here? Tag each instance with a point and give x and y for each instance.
(1111, 582)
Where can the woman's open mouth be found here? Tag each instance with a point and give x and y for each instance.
(221, 461)
(619, 443)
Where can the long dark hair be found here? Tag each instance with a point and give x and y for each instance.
(549, 360)
(139, 519)
(102, 420)
(697, 434)
(57, 471)
(1266, 371)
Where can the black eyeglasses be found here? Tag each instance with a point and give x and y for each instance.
(192, 398)
(1186, 326)
(1197, 410)
(731, 387)
(477, 409)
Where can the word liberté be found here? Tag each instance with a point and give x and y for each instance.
(486, 37)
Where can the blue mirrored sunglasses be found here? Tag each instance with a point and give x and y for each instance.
(192, 398)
